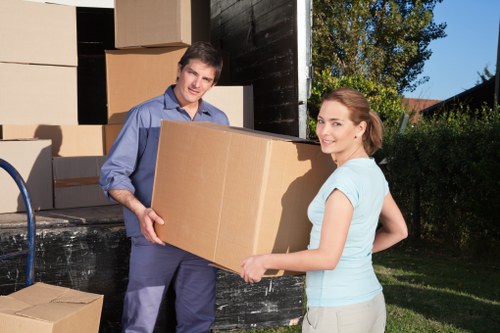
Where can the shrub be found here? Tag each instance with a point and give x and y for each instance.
(443, 173)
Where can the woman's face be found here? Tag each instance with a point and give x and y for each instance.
(335, 130)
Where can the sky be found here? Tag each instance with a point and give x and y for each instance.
(470, 45)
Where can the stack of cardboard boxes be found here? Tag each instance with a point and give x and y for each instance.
(41, 91)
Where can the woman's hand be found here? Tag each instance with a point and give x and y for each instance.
(253, 268)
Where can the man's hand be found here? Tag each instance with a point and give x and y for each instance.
(147, 216)
(147, 219)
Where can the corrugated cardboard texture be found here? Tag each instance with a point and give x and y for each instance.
(161, 22)
(134, 76)
(67, 140)
(33, 161)
(36, 94)
(50, 309)
(35, 33)
(235, 101)
(228, 193)
(111, 133)
(76, 182)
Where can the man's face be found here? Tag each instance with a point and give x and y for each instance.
(195, 79)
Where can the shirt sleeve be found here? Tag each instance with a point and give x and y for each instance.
(123, 156)
(342, 180)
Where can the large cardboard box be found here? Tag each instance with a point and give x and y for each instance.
(35, 33)
(227, 193)
(44, 308)
(76, 182)
(67, 140)
(235, 101)
(38, 94)
(134, 76)
(161, 22)
(33, 161)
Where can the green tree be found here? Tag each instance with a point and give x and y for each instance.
(383, 41)
(385, 100)
(485, 75)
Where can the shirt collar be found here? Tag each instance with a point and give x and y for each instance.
(170, 101)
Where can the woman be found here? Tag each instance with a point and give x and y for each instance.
(343, 293)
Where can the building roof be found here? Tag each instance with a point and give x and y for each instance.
(474, 98)
(418, 104)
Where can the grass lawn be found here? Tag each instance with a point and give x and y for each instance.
(428, 291)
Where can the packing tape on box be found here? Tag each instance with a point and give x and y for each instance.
(80, 181)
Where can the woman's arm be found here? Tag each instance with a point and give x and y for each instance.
(336, 222)
(393, 229)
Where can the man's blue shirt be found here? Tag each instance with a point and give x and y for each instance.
(131, 162)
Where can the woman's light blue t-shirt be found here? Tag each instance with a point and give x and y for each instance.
(353, 280)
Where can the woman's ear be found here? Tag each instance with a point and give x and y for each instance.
(361, 128)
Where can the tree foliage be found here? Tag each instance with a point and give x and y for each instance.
(383, 41)
(485, 75)
(384, 100)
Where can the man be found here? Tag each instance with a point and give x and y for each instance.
(127, 177)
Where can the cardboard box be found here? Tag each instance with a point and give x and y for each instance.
(134, 76)
(235, 101)
(76, 182)
(161, 22)
(67, 140)
(227, 193)
(36, 94)
(110, 134)
(33, 161)
(35, 33)
(44, 308)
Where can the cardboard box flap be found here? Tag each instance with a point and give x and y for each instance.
(39, 293)
(76, 297)
(50, 312)
(252, 132)
(11, 305)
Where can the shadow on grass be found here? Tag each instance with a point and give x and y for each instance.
(460, 311)
(460, 292)
(470, 276)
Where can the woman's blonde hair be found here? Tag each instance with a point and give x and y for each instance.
(360, 110)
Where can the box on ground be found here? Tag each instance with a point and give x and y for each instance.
(35, 33)
(33, 161)
(134, 76)
(38, 94)
(227, 193)
(235, 101)
(161, 22)
(44, 308)
(67, 140)
(76, 182)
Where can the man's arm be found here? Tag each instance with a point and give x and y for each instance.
(146, 216)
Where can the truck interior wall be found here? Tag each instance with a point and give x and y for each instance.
(260, 39)
(95, 34)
